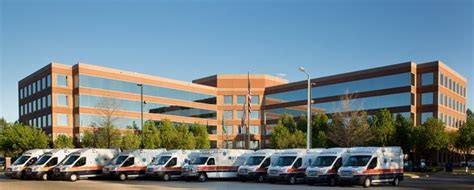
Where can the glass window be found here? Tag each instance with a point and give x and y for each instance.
(446, 81)
(255, 99)
(445, 100)
(228, 130)
(121, 122)
(241, 99)
(61, 100)
(33, 87)
(426, 79)
(21, 110)
(425, 116)
(44, 101)
(34, 105)
(240, 114)
(427, 98)
(48, 80)
(40, 122)
(254, 114)
(21, 93)
(30, 90)
(44, 121)
(228, 100)
(441, 79)
(228, 114)
(40, 106)
(49, 100)
(43, 83)
(38, 85)
(50, 119)
(61, 80)
(450, 84)
(62, 120)
(254, 129)
(440, 98)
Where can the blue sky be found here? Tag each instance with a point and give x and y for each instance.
(186, 40)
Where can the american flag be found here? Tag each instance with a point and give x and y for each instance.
(249, 95)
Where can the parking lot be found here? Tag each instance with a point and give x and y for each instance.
(440, 181)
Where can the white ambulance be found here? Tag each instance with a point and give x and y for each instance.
(84, 163)
(130, 164)
(43, 168)
(291, 164)
(324, 168)
(256, 165)
(168, 165)
(215, 163)
(373, 165)
(17, 169)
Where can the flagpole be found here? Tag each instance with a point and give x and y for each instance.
(248, 111)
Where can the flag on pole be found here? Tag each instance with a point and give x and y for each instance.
(249, 95)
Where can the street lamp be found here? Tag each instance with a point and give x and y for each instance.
(308, 114)
(141, 112)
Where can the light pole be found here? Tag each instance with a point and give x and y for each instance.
(141, 112)
(308, 114)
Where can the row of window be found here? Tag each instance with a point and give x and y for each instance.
(241, 144)
(357, 86)
(91, 101)
(450, 120)
(42, 121)
(451, 103)
(149, 90)
(35, 87)
(229, 99)
(452, 85)
(229, 114)
(35, 105)
(229, 130)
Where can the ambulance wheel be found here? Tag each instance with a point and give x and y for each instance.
(292, 180)
(367, 182)
(166, 177)
(122, 177)
(332, 181)
(187, 179)
(261, 179)
(396, 181)
(23, 175)
(44, 177)
(73, 177)
(202, 177)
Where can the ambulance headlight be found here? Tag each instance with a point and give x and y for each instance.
(115, 168)
(359, 170)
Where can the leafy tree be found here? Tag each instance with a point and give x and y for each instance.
(287, 121)
(465, 138)
(168, 134)
(151, 135)
(130, 140)
(469, 114)
(301, 123)
(383, 128)
(431, 136)
(17, 138)
(88, 139)
(201, 136)
(320, 128)
(106, 133)
(186, 138)
(279, 137)
(108, 136)
(63, 141)
(349, 126)
(3, 123)
(297, 140)
(404, 133)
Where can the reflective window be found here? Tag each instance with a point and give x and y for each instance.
(45, 121)
(21, 93)
(48, 80)
(40, 106)
(255, 99)
(149, 107)
(34, 105)
(441, 98)
(426, 79)
(44, 101)
(228, 130)
(228, 100)
(450, 84)
(49, 100)
(50, 119)
(427, 98)
(62, 120)
(441, 79)
(61, 99)
(33, 88)
(131, 87)
(29, 90)
(241, 99)
(121, 122)
(228, 114)
(254, 114)
(425, 116)
(363, 85)
(38, 85)
(240, 114)
(254, 129)
(43, 83)
(61, 80)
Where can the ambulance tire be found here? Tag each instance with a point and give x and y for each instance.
(187, 179)
(122, 176)
(396, 181)
(44, 176)
(292, 180)
(166, 177)
(23, 175)
(202, 177)
(260, 178)
(332, 181)
(367, 182)
(73, 177)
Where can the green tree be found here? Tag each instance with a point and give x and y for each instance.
(151, 135)
(301, 123)
(17, 138)
(168, 134)
(279, 137)
(186, 139)
(88, 139)
(201, 136)
(63, 141)
(431, 137)
(404, 133)
(320, 128)
(287, 121)
(349, 126)
(383, 128)
(130, 140)
(465, 138)
(297, 140)
(108, 136)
